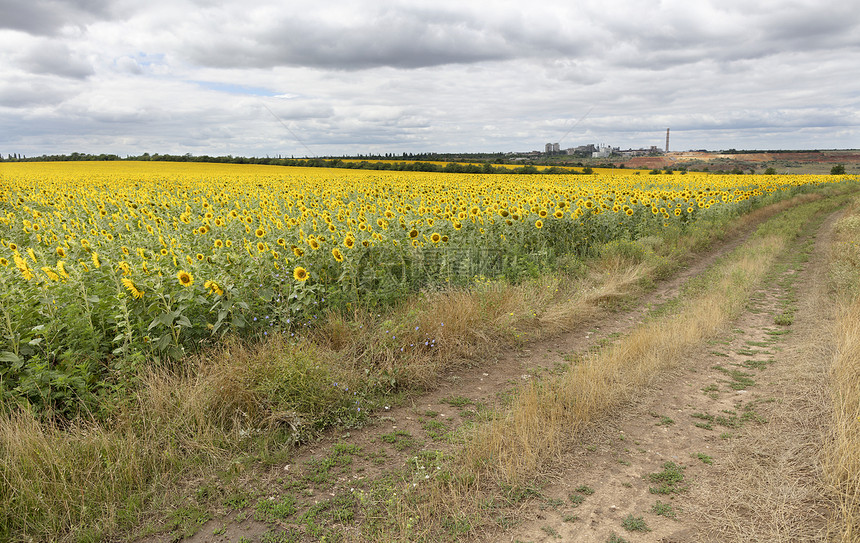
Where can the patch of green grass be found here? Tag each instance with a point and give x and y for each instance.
(712, 391)
(271, 509)
(584, 489)
(338, 510)
(664, 420)
(634, 524)
(281, 536)
(739, 380)
(576, 499)
(186, 521)
(670, 480)
(757, 364)
(436, 430)
(340, 455)
(615, 538)
(664, 510)
(401, 439)
(569, 518)
(704, 458)
(457, 401)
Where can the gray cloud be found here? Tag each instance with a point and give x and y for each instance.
(52, 57)
(48, 17)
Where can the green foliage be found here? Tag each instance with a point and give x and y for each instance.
(634, 524)
(664, 510)
(670, 480)
(839, 169)
(271, 509)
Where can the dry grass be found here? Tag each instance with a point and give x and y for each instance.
(515, 447)
(841, 457)
(842, 460)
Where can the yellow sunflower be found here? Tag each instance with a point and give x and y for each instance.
(185, 278)
(300, 274)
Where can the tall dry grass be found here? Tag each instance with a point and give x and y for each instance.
(841, 456)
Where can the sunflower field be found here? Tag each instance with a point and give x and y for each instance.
(105, 265)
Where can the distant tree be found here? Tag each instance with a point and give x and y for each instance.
(839, 169)
(770, 171)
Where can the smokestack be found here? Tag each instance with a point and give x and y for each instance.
(667, 140)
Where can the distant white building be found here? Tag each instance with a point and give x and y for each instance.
(603, 151)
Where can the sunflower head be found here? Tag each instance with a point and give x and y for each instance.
(185, 278)
(300, 274)
(337, 254)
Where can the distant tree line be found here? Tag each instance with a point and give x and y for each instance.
(361, 163)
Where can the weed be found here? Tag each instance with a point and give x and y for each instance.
(584, 489)
(553, 503)
(401, 439)
(664, 510)
(268, 510)
(569, 518)
(518, 494)
(340, 455)
(457, 401)
(436, 430)
(757, 364)
(670, 480)
(704, 458)
(615, 538)
(739, 380)
(634, 524)
(280, 536)
(576, 499)
(549, 530)
(784, 319)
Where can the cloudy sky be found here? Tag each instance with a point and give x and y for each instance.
(268, 77)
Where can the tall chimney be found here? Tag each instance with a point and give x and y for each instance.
(667, 140)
